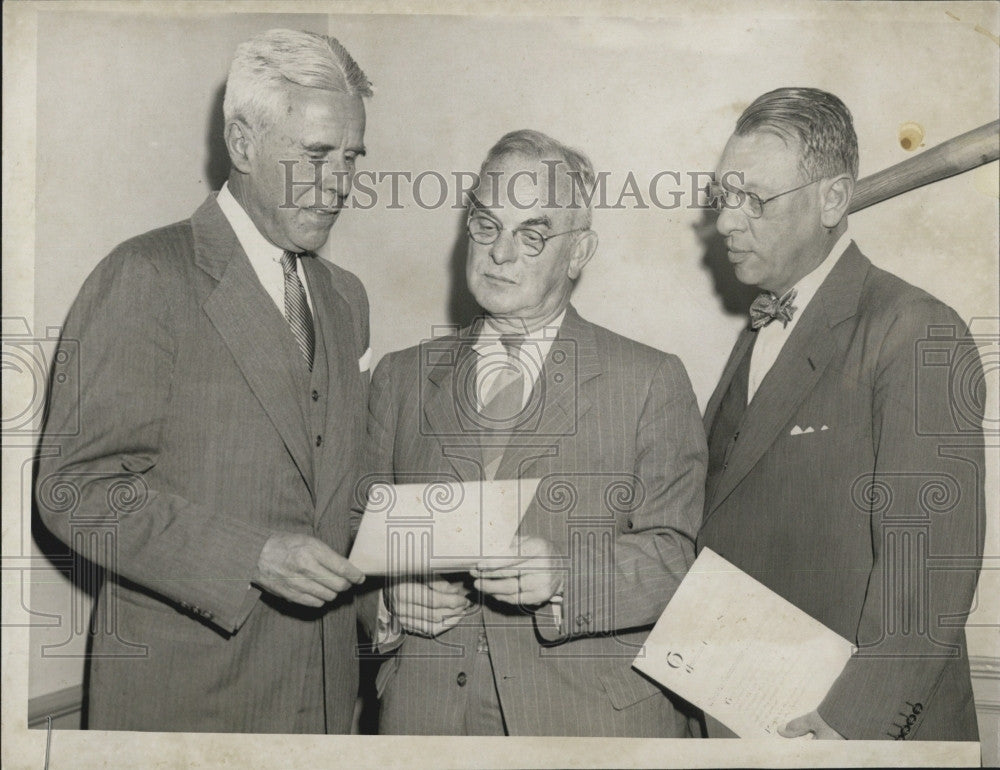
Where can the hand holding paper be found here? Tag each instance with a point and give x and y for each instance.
(304, 570)
(428, 608)
(810, 723)
(532, 577)
(743, 654)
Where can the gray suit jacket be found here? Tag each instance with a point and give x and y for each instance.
(198, 438)
(616, 438)
(874, 524)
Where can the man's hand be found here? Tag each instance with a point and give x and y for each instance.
(810, 723)
(531, 578)
(428, 608)
(304, 570)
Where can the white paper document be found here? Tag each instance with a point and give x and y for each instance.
(439, 526)
(741, 653)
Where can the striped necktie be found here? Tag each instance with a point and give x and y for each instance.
(502, 407)
(297, 308)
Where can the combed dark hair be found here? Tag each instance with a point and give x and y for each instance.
(535, 144)
(817, 120)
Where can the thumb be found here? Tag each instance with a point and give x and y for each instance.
(796, 727)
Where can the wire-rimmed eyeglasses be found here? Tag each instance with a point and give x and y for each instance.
(721, 197)
(482, 229)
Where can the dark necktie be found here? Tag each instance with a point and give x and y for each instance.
(502, 404)
(297, 308)
(767, 308)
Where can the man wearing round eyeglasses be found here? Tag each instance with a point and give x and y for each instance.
(834, 425)
(542, 643)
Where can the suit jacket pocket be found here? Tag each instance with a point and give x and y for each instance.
(625, 687)
(138, 463)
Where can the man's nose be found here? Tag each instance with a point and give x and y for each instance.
(731, 219)
(338, 177)
(504, 248)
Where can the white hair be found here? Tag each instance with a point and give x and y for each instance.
(265, 65)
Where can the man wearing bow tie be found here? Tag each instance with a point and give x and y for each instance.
(840, 473)
(222, 415)
(543, 644)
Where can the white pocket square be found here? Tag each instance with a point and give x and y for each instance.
(797, 431)
(365, 362)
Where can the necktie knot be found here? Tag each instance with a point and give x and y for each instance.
(288, 259)
(512, 343)
(767, 307)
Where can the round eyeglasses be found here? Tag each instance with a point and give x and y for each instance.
(529, 241)
(721, 197)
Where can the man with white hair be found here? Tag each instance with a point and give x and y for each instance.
(222, 367)
(541, 644)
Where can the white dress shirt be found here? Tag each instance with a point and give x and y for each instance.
(771, 338)
(264, 256)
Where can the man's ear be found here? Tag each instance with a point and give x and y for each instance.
(836, 197)
(239, 143)
(583, 250)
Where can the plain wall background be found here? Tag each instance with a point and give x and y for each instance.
(128, 126)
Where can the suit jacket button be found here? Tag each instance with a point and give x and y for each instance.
(315, 395)
(918, 707)
(579, 620)
(319, 441)
(586, 618)
(461, 679)
(904, 730)
(629, 523)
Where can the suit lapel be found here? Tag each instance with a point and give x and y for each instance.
(449, 403)
(333, 317)
(744, 341)
(571, 362)
(798, 368)
(254, 331)
(335, 331)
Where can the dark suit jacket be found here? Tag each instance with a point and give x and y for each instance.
(616, 439)
(198, 439)
(873, 525)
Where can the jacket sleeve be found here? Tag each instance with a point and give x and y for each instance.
(626, 583)
(103, 436)
(377, 467)
(926, 511)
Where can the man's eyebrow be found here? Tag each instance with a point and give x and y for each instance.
(322, 147)
(476, 204)
(537, 222)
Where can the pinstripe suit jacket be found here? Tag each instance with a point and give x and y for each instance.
(618, 443)
(873, 525)
(198, 424)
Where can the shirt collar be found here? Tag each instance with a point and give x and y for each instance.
(808, 285)
(489, 338)
(258, 249)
